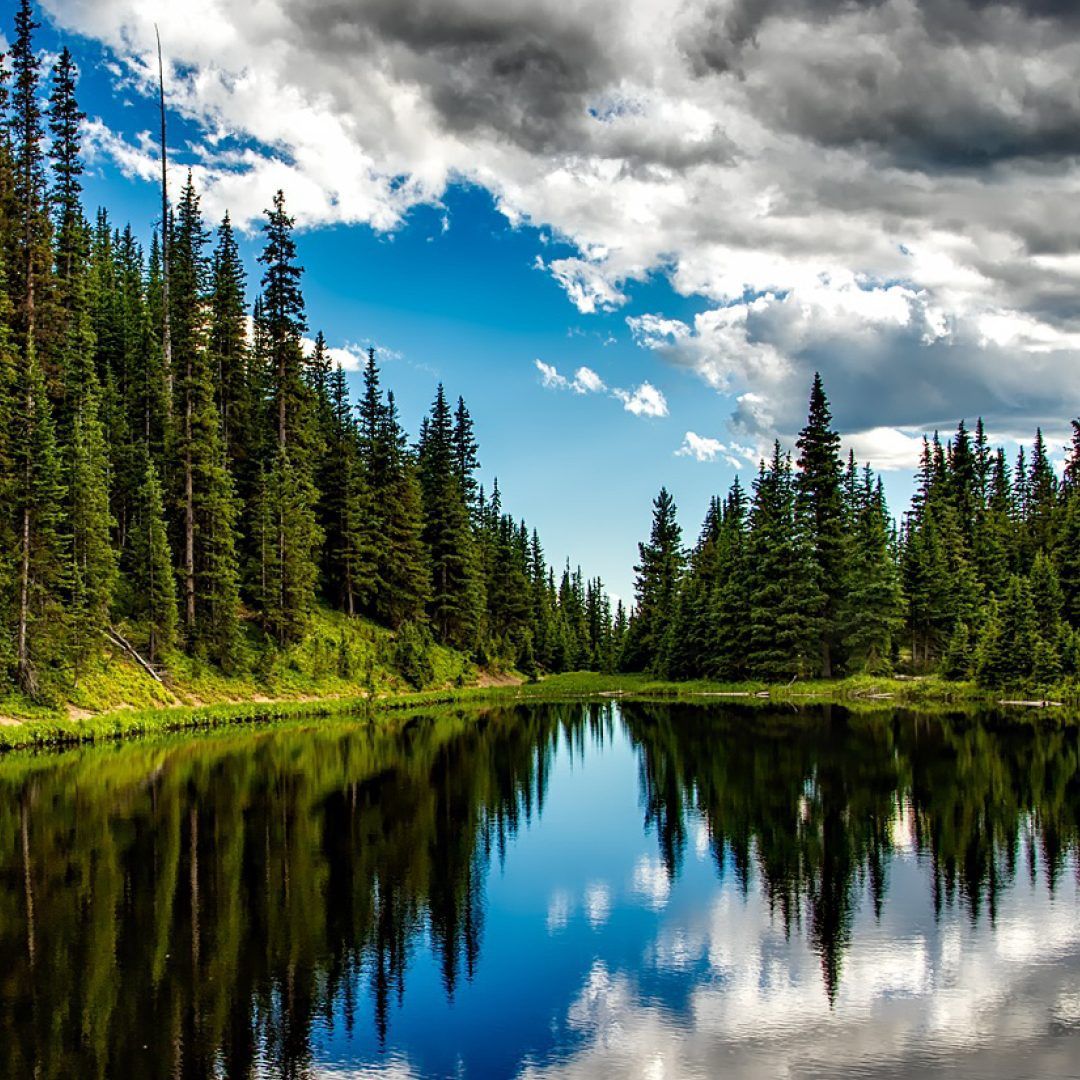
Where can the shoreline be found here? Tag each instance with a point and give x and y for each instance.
(858, 694)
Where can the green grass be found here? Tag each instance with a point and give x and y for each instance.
(338, 657)
(345, 666)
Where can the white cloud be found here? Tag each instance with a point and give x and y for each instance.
(644, 400)
(352, 356)
(586, 381)
(550, 376)
(885, 448)
(706, 448)
(586, 284)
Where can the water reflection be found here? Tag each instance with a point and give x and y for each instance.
(475, 893)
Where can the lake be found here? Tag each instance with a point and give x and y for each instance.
(593, 890)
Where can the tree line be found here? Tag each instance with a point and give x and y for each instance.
(808, 575)
(179, 463)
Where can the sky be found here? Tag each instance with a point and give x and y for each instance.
(629, 231)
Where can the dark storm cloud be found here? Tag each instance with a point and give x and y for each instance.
(533, 75)
(937, 85)
(527, 74)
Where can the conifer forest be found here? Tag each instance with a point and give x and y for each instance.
(182, 475)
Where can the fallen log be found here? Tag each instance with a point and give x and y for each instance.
(1035, 704)
(121, 643)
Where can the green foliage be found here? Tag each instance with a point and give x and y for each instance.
(412, 655)
(650, 637)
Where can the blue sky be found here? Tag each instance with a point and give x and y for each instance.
(686, 205)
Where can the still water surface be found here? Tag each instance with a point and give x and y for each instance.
(594, 891)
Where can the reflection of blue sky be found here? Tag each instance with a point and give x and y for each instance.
(593, 964)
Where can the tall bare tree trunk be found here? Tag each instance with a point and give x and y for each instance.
(166, 326)
(189, 511)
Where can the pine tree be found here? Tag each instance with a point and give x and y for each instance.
(206, 498)
(289, 537)
(820, 504)
(28, 263)
(290, 487)
(661, 563)
(456, 587)
(870, 614)
(403, 568)
(38, 512)
(65, 119)
(93, 567)
(466, 460)
(152, 584)
(785, 598)
(229, 350)
(1007, 646)
(1040, 518)
(731, 610)
(345, 501)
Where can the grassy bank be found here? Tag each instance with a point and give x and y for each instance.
(339, 657)
(858, 694)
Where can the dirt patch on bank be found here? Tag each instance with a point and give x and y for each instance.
(489, 678)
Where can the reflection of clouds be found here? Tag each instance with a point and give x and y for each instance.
(1067, 1008)
(601, 1004)
(597, 903)
(902, 829)
(701, 840)
(651, 882)
(913, 999)
(559, 907)
(396, 1068)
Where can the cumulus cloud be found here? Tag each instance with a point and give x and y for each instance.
(891, 357)
(706, 448)
(643, 400)
(882, 190)
(586, 381)
(352, 356)
(550, 377)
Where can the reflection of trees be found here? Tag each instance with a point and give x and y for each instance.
(194, 908)
(814, 802)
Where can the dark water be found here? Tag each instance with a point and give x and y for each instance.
(548, 891)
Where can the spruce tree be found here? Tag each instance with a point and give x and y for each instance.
(290, 487)
(456, 601)
(820, 505)
(731, 610)
(786, 602)
(229, 350)
(403, 566)
(870, 613)
(152, 584)
(206, 500)
(658, 575)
